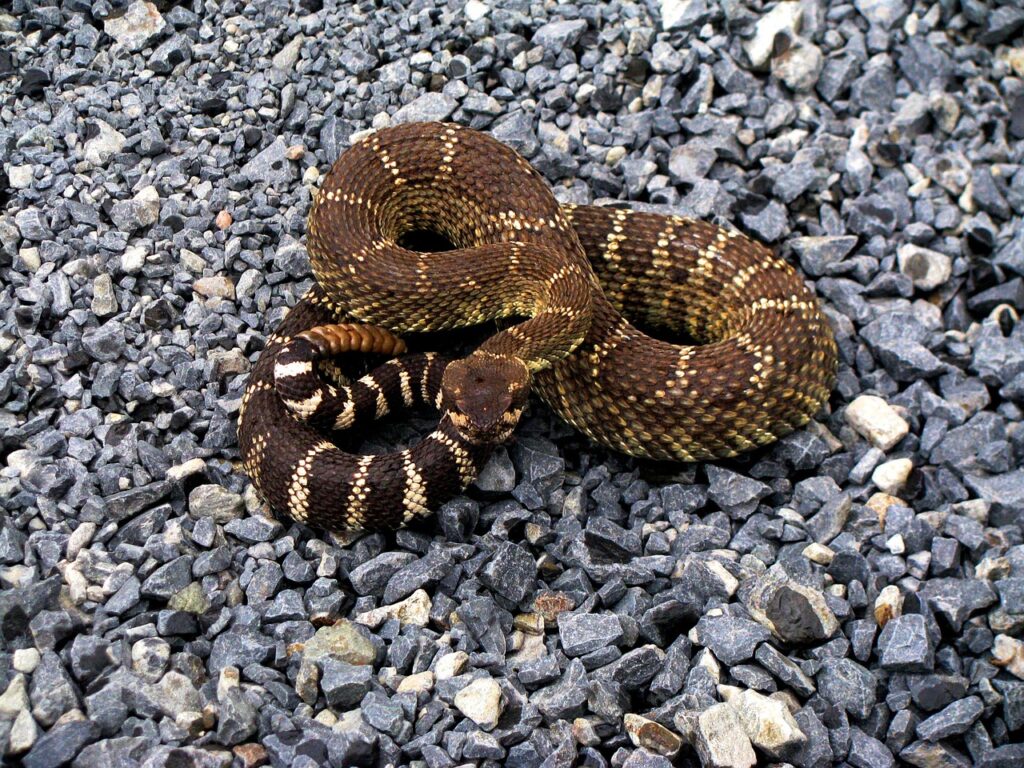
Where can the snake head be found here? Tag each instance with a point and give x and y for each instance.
(484, 395)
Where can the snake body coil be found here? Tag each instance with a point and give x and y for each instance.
(573, 277)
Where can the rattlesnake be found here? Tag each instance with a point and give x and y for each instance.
(761, 363)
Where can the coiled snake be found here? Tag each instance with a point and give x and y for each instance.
(574, 277)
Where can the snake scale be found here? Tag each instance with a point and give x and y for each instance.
(566, 282)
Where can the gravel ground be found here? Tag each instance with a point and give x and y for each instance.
(854, 594)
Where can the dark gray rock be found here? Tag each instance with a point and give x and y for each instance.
(60, 745)
(169, 579)
(868, 752)
(52, 692)
(816, 750)
(510, 572)
(372, 577)
(582, 633)
(253, 529)
(1006, 756)
(565, 699)
(426, 108)
(848, 685)
(32, 224)
(906, 645)
(481, 745)
(784, 669)
(1013, 702)
(933, 692)
(1004, 492)
(237, 718)
(557, 36)
(498, 474)
(951, 721)
(344, 684)
(239, 648)
(105, 343)
(924, 753)
(271, 166)
(170, 53)
(737, 495)
(634, 670)
(730, 638)
(957, 599)
(418, 574)
(381, 713)
(113, 753)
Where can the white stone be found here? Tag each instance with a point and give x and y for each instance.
(680, 14)
(286, 58)
(147, 205)
(78, 585)
(615, 154)
(104, 301)
(705, 658)
(349, 721)
(133, 259)
(819, 553)
(23, 460)
(15, 698)
(415, 609)
(228, 679)
(926, 268)
(150, 656)
(1008, 653)
(136, 27)
(428, 107)
(767, 722)
(20, 176)
(875, 419)
(174, 694)
(475, 10)
(18, 576)
(451, 664)
(326, 717)
(784, 17)
(721, 741)
(480, 701)
(652, 735)
(30, 258)
(421, 682)
(104, 145)
(895, 544)
(991, 568)
(891, 476)
(218, 285)
(192, 261)
(190, 721)
(729, 582)
(25, 660)
(800, 66)
(215, 502)
(23, 733)
(888, 605)
(191, 467)
(528, 648)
